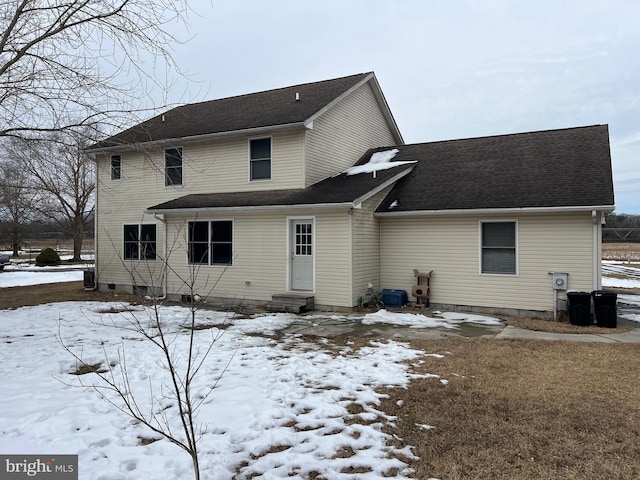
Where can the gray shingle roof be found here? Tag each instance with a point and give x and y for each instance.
(341, 189)
(554, 168)
(255, 110)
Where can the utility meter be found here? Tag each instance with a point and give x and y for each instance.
(560, 280)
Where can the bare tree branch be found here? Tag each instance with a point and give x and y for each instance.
(82, 62)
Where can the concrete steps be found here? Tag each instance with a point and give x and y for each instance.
(291, 303)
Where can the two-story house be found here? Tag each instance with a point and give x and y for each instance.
(309, 192)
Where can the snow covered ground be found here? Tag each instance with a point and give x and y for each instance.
(24, 273)
(281, 408)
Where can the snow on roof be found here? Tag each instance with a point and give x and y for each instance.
(378, 161)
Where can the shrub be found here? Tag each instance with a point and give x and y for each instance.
(47, 257)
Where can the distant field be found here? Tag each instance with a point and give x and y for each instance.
(628, 252)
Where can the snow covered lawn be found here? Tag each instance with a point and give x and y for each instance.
(282, 409)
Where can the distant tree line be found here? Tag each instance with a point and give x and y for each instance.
(621, 228)
(49, 181)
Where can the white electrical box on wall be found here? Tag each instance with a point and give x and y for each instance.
(560, 280)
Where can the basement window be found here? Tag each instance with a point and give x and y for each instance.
(498, 248)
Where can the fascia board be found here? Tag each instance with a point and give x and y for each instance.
(197, 138)
(254, 208)
(382, 186)
(497, 211)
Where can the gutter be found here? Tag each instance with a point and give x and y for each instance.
(254, 208)
(496, 211)
(196, 138)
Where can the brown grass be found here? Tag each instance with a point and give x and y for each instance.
(628, 252)
(523, 410)
(539, 325)
(16, 297)
(513, 409)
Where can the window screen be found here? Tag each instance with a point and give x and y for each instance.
(260, 159)
(499, 248)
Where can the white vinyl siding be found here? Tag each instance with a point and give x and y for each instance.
(333, 259)
(344, 133)
(260, 259)
(366, 247)
(450, 247)
(219, 166)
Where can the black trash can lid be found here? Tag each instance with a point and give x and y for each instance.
(603, 293)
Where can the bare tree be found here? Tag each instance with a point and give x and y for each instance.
(18, 199)
(181, 364)
(81, 59)
(63, 176)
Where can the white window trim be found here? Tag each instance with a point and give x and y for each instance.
(517, 250)
(260, 180)
(139, 225)
(164, 165)
(111, 168)
(233, 242)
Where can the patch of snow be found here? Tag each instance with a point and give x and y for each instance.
(13, 278)
(620, 282)
(629, 299)
(393, 205)
(378, 161)
(424, 426)
(287, 394)
(449, 320)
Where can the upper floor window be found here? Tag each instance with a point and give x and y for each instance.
(260, 159)
(173, 166)
(140, 242)
(498, 252)
(116, 163)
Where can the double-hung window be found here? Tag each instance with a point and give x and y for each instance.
(210, 242)
(116, 165)
(498, 248)
(260, 159)
(173, 166)
(140, 242)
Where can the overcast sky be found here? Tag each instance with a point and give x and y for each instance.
(449, 69)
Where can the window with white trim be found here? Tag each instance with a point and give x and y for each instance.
(116, 166)
(210, 242)
(140, 242)
(173, 166)
(498, 248)
(260, 159)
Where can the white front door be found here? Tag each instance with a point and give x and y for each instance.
(301, 255)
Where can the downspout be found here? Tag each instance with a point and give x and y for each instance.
(164, 256)
(95, 235)
(596, 242)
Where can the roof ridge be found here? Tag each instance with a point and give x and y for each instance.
(270, 90)
(513, 134)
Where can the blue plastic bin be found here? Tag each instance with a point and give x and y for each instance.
(394, 298)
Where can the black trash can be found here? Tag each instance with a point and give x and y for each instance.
(579, 307)
(605, 307)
